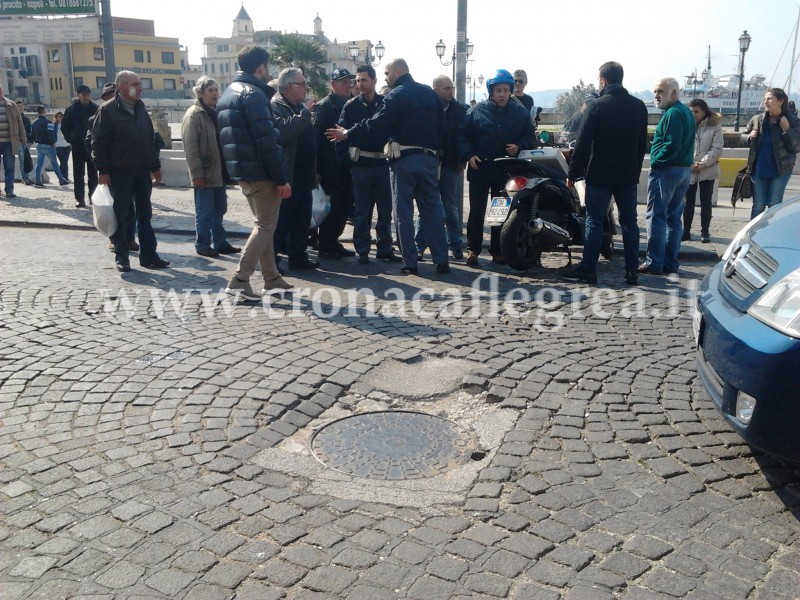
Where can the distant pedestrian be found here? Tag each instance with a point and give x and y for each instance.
(372, 187)
(296, 135)
(774, 138)
(334, 175)
(63, 148)
(520, 81)
(412, 120)
(708, 144)
(126, 158)
(671, 158)
(75, 125)
(451, 168)
(12, 136)
(494, 128)
(609, 151)
(24, 152)
(207, 170)
(254, 158)
(45, 136)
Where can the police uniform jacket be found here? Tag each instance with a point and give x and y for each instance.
(411, 115)
(356, 110)
(333, 173)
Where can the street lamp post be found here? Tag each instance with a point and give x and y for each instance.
(744, 44)
(380, 50)
(441, 47)
(691, 79)
(471, 84)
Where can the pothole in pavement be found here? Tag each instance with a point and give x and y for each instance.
(396, 444)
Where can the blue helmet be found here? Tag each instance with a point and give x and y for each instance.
(500, 76)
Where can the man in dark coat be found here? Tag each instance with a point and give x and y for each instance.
(74, 127)
(254, 158)
(608, 153)
(334, 175)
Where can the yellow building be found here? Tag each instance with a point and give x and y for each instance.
(157, 60)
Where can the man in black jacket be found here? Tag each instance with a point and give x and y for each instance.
(334, 175)
(608, 153)
(370, 173)
(125, 154)
(254, 158)
(45, 135)
(74, 127)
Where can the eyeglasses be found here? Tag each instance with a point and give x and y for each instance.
(522, 81)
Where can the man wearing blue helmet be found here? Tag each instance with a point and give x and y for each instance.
(495, 128)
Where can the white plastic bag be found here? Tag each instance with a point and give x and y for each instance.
(320, 207)
(103, 211)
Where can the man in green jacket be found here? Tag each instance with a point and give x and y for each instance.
(671, 157)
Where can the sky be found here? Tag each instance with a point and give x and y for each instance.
(557, 47)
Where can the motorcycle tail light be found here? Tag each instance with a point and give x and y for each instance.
(517, 183)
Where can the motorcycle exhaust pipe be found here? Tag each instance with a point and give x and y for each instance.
(549, 232)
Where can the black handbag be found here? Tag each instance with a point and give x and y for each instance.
(27, 162)
(742, 187)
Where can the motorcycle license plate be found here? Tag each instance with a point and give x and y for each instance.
(497, 211)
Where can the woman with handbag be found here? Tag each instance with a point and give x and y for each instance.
(708, 145)
(774, 138)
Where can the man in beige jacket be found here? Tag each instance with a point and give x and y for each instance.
(200, 134)
(12, 135)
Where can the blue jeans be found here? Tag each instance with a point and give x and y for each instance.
(597, 200)
(666, 198)
(131, 195)
(372, 188)
(21, 156)
(7, 156)
(47, 151)
(453, 211)
(414, 177)
(210, 205)
(767, 192)
(294, 218)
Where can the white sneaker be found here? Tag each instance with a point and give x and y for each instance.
(241, 289)
(276, 286)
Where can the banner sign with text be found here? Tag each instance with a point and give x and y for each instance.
(30, 8)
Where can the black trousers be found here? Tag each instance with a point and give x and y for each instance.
(706, 192)
(333, 227)
(82, 164)
(479, 190)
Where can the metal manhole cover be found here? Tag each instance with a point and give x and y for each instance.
(393, 445)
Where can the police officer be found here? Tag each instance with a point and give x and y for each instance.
(412, 120)
(370, 172)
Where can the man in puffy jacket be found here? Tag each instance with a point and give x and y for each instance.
(254, 158)
(494, 128)
(125, 154)
(45, 134)
(609, 150)
(74, 127)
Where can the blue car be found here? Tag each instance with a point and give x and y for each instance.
(747, 328)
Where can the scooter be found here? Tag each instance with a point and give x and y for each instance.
(538, 212)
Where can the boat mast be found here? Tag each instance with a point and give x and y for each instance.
(794, 54)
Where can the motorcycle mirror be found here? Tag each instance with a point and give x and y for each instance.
(545, 137)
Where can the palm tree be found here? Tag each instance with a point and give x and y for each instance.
(290, 50)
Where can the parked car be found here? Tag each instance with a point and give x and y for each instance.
(747, 328)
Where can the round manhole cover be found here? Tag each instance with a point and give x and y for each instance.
(393, 445)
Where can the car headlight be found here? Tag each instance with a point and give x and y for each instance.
(743, 232)
(780, 306)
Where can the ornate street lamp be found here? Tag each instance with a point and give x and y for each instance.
(744, 44)
(441, 48)
(380, 50)
(474, 84)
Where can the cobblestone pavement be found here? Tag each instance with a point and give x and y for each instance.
(156, 444)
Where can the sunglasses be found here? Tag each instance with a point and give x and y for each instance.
(522, 81)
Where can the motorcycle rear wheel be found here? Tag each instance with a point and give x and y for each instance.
(517, 244)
